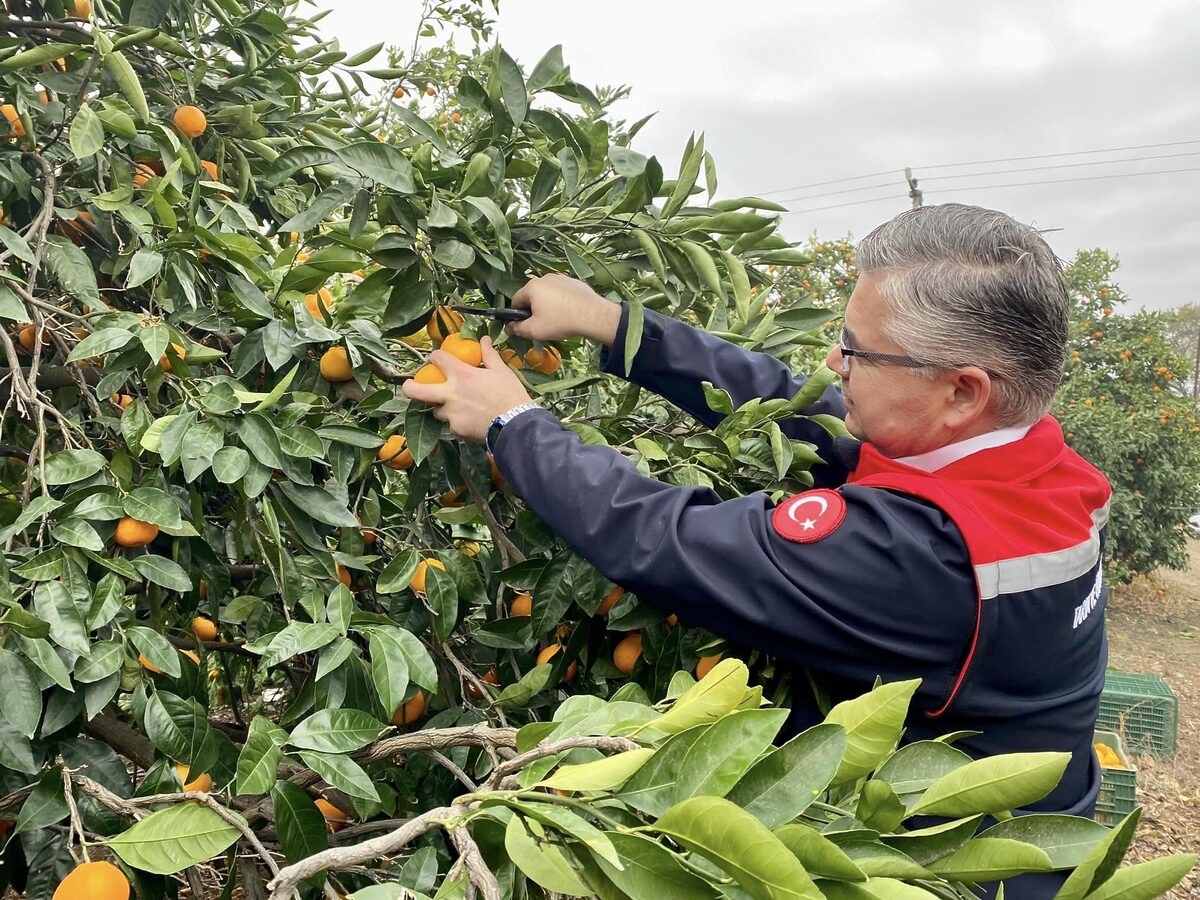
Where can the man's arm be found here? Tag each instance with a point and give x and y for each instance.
(890, 592)
(674, 359)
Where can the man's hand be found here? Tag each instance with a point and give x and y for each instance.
(470, 397)
(564, 308)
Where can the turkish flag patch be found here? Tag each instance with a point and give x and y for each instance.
(810, 516)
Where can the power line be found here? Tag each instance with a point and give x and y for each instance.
(979, 162)
(987, 187)
(1094, 162)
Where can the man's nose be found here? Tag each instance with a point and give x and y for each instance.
(833, 359)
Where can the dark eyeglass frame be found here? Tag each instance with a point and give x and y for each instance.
(895, 359)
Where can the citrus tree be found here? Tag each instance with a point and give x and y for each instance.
(1123, 406)
(267, 629)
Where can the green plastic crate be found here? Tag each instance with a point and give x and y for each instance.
(1118, 787)
(1142, 710)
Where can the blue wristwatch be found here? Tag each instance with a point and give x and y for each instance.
(493, 432)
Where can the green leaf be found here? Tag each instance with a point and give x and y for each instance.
(69, 466)
(924, 845)
(39, 506)
(818, 854)
(297, 637)
(319, 504)
(127, 82)
(651, 870)
(724, 753)
(333, 198)
(258, 763)
(54, 604)
(106, 657)
(421, 669)
(87, 133)
(398, 573)
(382, 163)
(786, 781)
(21, 701)
(1100, 864)
(46, 805)
(175, 838)
(77, 533)
(873, 724)
(442, 596)
(709, 699)
(1146, 880)
(71, 266)
(16, 752)
(689, 169)
(991, 859)
(914, 767)
(601, 775)
(363, 56)
(512, 88)
(260, 438)
(389, 668)
(1067, 840)
(203, 440)
(878, 860)
(40, 55)
(99, 343)
(993, 784)
(548, 68)
(335, 731)
(541, 862)
(153, 505)
(343, 773)
(741, 845)
(144, 266)
(301, 442)
(229, 464)
(300, 824)
(454, 254)
(163, 572)
(155, 648)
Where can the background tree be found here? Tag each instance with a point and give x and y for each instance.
(241, 569)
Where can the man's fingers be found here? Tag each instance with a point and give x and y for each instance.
(450, 364)
(522, 299)
(491, 359)
(424, 393)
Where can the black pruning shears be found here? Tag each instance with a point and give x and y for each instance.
(495, 312)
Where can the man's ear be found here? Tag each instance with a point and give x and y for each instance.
(969, 396)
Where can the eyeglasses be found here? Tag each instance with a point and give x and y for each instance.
(894, 359)
(909, 362)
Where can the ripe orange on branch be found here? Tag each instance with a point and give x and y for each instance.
(335, 365)
(191, 121)
(706, 665)
(443, 321)
(546, 361)
(462, 348)
(522, 605)
(315, 302)
(394, 454)
(204, 628)
(133, 532)
(93, 881)
(411, 710)
(429, 374)
(202, 782)
(335, 819)
(628, 652)
(14, 119)
(610, 600)
(549, 653)
(489, 678)
(165, 361)
(418, 579)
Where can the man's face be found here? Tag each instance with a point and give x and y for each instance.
(891, 406)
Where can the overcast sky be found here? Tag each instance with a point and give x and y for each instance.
(792, 93)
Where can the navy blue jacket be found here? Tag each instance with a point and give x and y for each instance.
(892, 593)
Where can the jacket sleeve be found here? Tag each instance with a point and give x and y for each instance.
(889, 593)
(674, 359)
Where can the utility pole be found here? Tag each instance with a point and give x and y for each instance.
(913, 191)
(1196, 371)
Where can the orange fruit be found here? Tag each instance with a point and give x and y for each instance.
(411, 710)
(201, 782)
(418, 579)
(343, 574)
(165, 361)
(149, 666)
(27, 336)
(314, 302)
(430, 90)
(512, 358)
(442, 322)
(211, 169)
(121, 400)
(549, 653)
(628, 652)
(469, 549)
(399, 92)
(369, 537)
(142, 173)
(93, 881)
(705, 665)
(335, 819)
(610, 600)
(191, 121)
(429, 374)
(80, 9)
(133, 532)
(455, 117)
(191, 654)
(522, 605)
(450, 499)
(75, 229)
(489, 678)
(497, 475)
(394, 455)
(672, 620)
(546, 361)
(467, 350)
(14, 119)
(204, 628)
(335, 365)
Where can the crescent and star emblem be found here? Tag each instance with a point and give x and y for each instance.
(808, 524)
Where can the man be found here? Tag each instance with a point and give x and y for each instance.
(960, 542)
